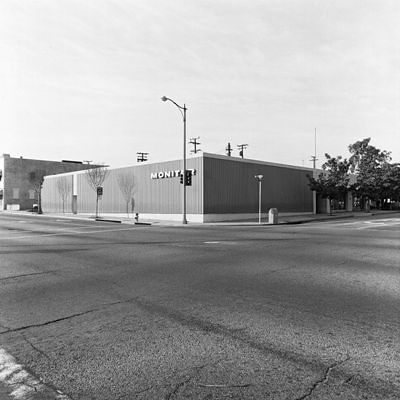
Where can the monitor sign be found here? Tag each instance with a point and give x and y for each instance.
(170, 174)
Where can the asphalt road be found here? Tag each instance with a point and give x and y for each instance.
(115, 311)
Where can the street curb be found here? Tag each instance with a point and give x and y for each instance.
(327, 219)
(300, 221)
(108, 220)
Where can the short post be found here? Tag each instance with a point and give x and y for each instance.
(273, 216)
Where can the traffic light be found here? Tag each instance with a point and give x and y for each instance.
(188, 178)
(181, 179)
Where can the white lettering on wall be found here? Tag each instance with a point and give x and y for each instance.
(170, 174)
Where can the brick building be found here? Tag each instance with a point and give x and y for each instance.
(18, 176)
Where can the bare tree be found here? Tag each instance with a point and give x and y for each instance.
(36, 178)
(126, 184)
(96, 177)
(64, 189)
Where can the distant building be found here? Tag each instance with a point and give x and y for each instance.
(222, 188)
(17, 175)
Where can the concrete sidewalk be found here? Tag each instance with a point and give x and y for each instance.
(282, 220)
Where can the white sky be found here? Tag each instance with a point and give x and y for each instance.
(82, 79)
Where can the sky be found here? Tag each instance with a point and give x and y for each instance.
(83, 79)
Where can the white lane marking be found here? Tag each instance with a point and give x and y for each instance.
(389, 222)
(71, 229)
(22, 384)
(66, 232)
(224, 242)
(347, 223)
(380, 222)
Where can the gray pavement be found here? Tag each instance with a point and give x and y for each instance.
(115, 311)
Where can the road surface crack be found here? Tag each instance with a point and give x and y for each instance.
(179, 385)
(244, 385)
(323, 380)
(54, 321)
(24, 275)
(129, 395)
(34, 347)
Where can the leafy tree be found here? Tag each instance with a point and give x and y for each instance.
(36, 178)
(126, 183)
(96, 177)
(333, 182)
(371, 167)
(390, 183)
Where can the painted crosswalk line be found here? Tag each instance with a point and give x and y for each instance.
(21, 384)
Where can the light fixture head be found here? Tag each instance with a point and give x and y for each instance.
(259, 177)
(164, 98)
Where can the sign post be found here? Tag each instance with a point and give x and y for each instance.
(259, 179)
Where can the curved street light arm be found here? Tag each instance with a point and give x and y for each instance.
(164, 98)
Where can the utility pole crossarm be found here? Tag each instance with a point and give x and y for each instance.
(195, 143)
(241, 148)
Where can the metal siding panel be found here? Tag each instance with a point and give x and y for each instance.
(155, 196)
(230, 187)
(51, 197)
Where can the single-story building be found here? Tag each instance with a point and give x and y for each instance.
(222, 188)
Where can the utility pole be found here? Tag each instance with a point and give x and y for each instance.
(228, 150)
(142, 157)
(241, 147)
(182, 110)
(314, 158)
(195, 143)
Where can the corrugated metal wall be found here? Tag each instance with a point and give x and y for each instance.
(221, 185)
(52, 193)
(155, 196)
(230, 187)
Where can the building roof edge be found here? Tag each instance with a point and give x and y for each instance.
(252, 161)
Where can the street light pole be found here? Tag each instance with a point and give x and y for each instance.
(259, 178)
(183, 112)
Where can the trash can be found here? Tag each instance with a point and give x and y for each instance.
(273, 216)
